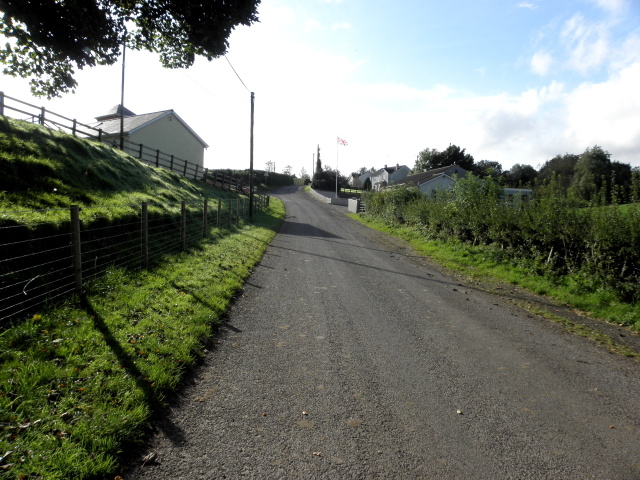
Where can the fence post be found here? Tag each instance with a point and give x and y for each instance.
(75, 246)
(205, 218)
(140, 154)
(100, 135)
(171, 166)
(42, 110)
(73, 130)
(206, 174)
(183, 224)
(184, 173)
(157, 158)
(145, 234)
(196, 175)
(1, 103)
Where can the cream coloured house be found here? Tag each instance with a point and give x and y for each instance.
(164, 131)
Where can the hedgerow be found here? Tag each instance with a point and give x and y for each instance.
(594, 247)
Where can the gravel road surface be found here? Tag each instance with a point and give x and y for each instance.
(349, 357)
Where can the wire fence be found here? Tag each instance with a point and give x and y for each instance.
(42, 262)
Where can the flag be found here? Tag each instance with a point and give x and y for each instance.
(342, 142)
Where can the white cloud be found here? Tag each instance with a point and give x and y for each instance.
(587, 44)
(311, 25)
(341, 26)
(528, 5)
(541, 63)
(614, 6)
(606, 114)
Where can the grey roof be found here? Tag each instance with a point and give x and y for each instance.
(115, 112)
(419, 178)
(133, 123)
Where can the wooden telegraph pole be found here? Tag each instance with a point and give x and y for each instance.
(251, 160)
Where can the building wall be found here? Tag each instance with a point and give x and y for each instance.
(399, 174)
(170, 136)
(440, 183)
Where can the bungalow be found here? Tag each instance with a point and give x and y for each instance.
(431, 181)
(164, 131)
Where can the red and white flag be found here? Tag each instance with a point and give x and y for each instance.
(342, 142)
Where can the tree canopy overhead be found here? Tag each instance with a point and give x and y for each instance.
(49, 39)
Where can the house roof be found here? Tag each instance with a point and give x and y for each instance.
(116, 112)
(420, 178)
(133, 123)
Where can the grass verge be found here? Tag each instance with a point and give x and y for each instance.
(79, 383)
(482, 263)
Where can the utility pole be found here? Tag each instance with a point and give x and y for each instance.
(124, 50)
(251, 160)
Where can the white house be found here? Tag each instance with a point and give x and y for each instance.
(164, 131)
(359, 181)
(388, 175)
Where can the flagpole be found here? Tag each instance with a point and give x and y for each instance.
(337, 149)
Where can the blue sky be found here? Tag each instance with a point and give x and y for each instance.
(510, 81)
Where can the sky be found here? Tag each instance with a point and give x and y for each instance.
(512, 81)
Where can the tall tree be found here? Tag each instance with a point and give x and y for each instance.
(621, 181)
(430, 159)
(49, 39)
(318, 163)
(562, 166)
(487, 168)
(426, 160)
(521, 175)
(592, 174)
(456, 155)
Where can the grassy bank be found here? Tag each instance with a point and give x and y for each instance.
(81, 380)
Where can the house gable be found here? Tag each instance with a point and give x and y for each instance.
(164, 131)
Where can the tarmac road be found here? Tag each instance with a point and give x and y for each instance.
(348, 357)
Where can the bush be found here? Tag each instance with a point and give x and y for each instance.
(597, 247)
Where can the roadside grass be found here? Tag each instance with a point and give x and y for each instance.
(80, 383)
(484, 263)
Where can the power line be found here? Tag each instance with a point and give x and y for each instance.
(234, 71)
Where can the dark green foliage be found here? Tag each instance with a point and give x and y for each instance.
(520, 176)
(560, 165)
(52, 38)
(594, 248)
(487, 168)
(326, 180)
(430, 159)
(592, 175)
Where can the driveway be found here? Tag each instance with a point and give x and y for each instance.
(348, 357)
